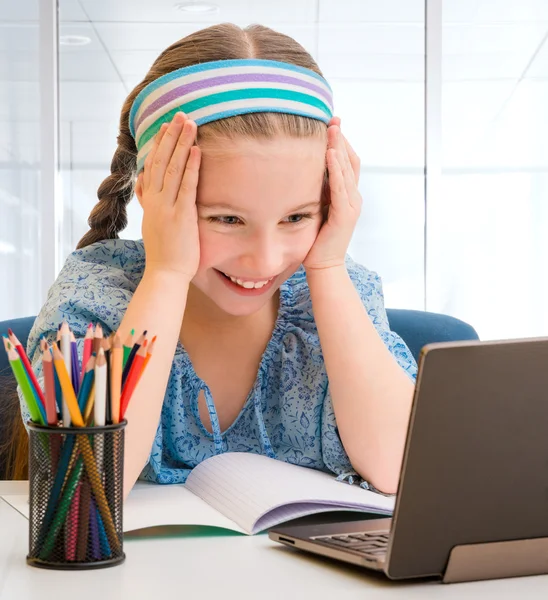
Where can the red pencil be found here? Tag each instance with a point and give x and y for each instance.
(88, 347)
(26, 363)
(49, 382)
(133, 378)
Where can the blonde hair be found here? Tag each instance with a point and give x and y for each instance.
(219, 42)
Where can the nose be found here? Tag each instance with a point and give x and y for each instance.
(264, 255)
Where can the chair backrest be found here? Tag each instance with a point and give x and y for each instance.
(418, 328)
(21, 328)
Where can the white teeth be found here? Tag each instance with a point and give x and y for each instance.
(249, 285)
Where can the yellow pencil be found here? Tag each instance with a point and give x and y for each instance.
(66, 386)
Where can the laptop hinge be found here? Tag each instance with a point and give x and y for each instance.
(494, 560)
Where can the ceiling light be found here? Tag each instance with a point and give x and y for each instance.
(74, 40)
(197, 7)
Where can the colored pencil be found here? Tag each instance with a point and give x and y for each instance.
(71, 525)
(107, 342)
(72, 411)
(116, 359)
(26, 363)
(66, 351)
(55, 441)
(88, 413)
(132, 354)
(99, 412)
(25, 385)
(82, 524)
(132, 378)
(100, 389)
(88, 348)
(49, 384)
(94, 530)
(128, 345)
(97, 338)
(87, 383)
(75, 366)
(147, 358)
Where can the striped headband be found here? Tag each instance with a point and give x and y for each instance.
(216, 90)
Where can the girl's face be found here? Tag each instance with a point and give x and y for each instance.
(259, 212)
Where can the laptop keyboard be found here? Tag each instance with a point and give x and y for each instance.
(372, 544)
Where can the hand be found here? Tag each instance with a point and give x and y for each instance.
(343, 199)
(166, 189)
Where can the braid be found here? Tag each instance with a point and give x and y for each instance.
(109, 215)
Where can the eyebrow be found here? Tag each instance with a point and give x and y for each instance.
(232, 208)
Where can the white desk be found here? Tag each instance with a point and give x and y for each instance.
(222, 567)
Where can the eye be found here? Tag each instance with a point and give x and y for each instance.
(298, 218)
(224, 220)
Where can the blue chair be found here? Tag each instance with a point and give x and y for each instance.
(417, 328)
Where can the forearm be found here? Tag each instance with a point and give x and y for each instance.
(158, 306)
(371, 393)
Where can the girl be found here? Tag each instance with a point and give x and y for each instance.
(269, 338)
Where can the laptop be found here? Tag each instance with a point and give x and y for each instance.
(472, 497)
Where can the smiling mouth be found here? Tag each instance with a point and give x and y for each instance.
(247, 284)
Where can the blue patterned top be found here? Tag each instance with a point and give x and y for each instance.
(288, 414)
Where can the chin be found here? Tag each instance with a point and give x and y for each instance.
(242, 307)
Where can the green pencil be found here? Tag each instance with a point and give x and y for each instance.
(24, 383)
(128, 345)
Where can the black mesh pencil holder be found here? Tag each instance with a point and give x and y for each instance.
(76, 496)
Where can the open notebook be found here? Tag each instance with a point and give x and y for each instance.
(242, 492)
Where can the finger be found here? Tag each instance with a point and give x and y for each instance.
(176, 167)
(346, 165)
(150, 156)
(189, 184)
(336, 141)
(165, 150)
(348, 176)
(337, 185)
(354, 159)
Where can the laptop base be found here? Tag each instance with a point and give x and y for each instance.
(494, 560)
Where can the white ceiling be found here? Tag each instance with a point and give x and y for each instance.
(361, 45)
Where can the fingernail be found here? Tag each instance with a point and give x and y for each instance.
(179, 117)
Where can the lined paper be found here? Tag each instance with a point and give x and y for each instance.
(258, 492)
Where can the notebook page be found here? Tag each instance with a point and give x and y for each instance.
(149, 505)
(245, 487)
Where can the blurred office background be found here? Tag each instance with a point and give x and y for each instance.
(443, 100)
